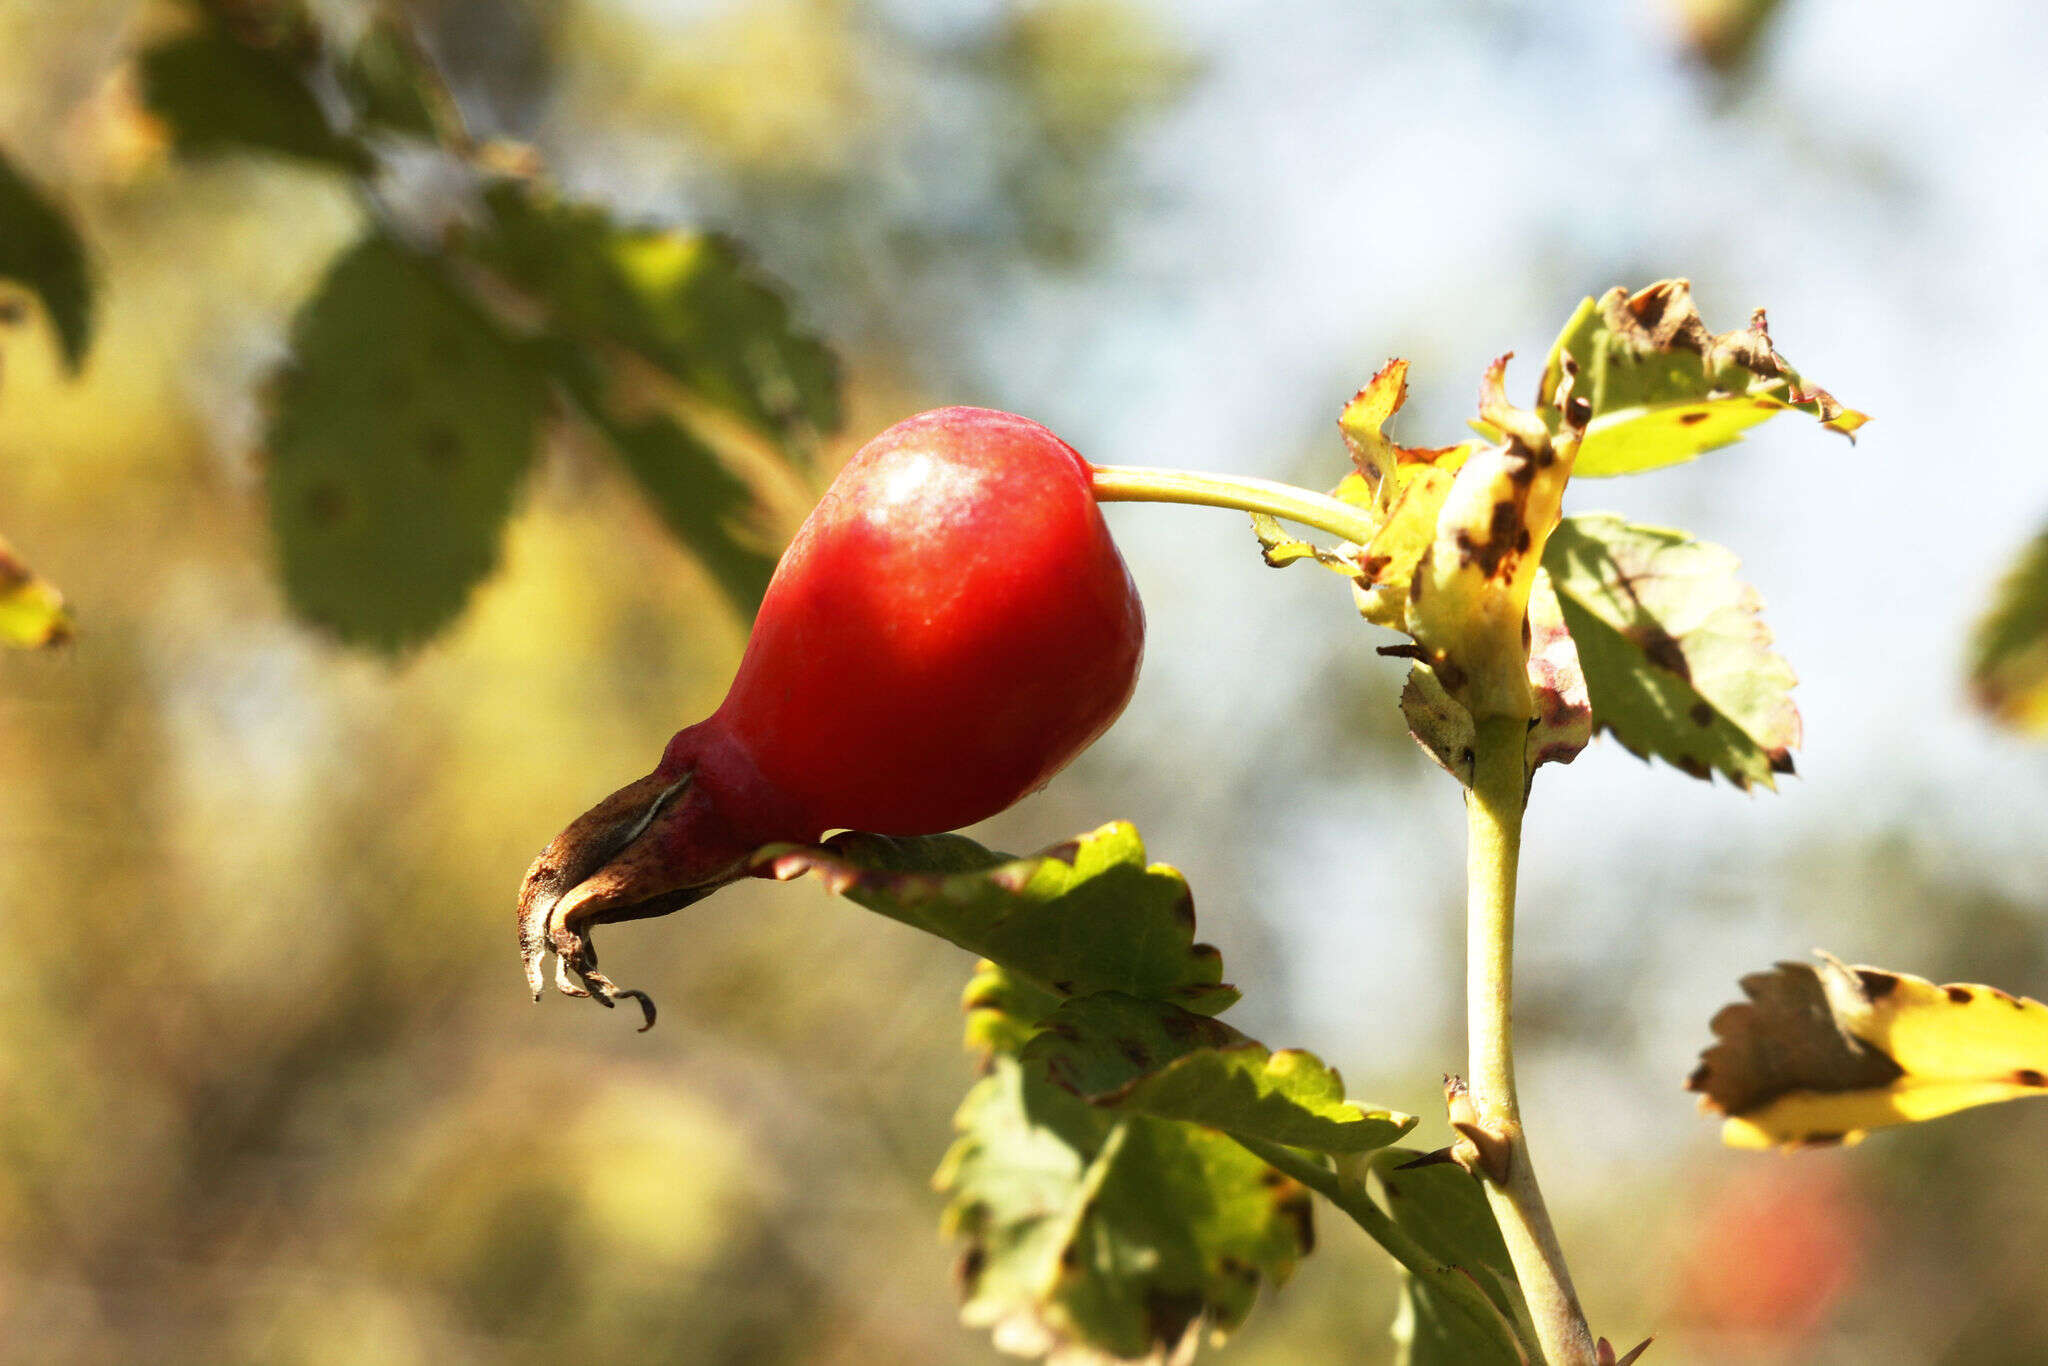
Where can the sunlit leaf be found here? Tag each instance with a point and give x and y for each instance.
(222, 87)
(1563, 724)
(40, 250)
(2009, 652)
(392, 84)
(1151, 1057)
(688, 304)
(1663, 389)
(1085, 916)
(1095, 1237)
(707, 506)
(32, 613)
(1822, 1054)
(1442, 1207)
(1677, 660)
(402, 426)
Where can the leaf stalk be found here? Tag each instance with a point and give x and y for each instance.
(1138, 484)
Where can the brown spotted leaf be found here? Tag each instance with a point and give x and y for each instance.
(1677, 662)
(1085, 916)
(1092, 1237)
(1151, 1057)
(1661, 388)
(1563, 724)
(1820, 1054)
(32, 614)
(2009, 651)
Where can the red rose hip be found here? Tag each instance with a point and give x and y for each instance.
(951, 626)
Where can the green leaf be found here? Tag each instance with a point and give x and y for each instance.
(402, 427)
(1151, 1057)
(1098, 1237)
(1442, 1207)
(223, 87)
(40, 249)
(1677, 661)
(394, 86)
(686, 303)
(2009, 651)
(1082, 917)
(708, 508)
(32, 614)
(1663, 389)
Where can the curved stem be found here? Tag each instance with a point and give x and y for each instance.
(1136, 484)
(1493, 815)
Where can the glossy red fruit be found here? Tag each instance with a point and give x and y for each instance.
(950, 627)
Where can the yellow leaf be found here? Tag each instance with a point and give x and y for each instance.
(1823, 1054)
(32, 612)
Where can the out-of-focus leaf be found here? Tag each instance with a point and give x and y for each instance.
(40, 249)
(1153, 1058)
(1677, 660)
(1093, 1237)
(32, 613)
(224, 87)
(1442, 1207)
(1822, 1054)
(2009, 652)
(393, 85)
(1663, 389)
(1086, 916)
(1563, 723)
(402, 427)
(687, 303)
(1724, 34)
(705, 504)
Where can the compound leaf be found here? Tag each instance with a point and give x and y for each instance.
(228, 87)
(401, 430)
(1095, 1237)
(1151, 1057)
(1442, 1207)
(41, 250)
(1663, 389)
(32, 613)
(1085, 916)
(1822, 1054)
(2009, 651)
(1677, 661)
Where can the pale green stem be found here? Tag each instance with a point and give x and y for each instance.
(1134, 484)
(1493, 815)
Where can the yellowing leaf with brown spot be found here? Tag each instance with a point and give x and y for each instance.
(1663, 389)
(1823, 1054)
(32, 612)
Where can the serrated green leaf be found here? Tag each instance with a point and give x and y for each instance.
(392, 84)
(41, 250)
(1663, 389)
(1677, 660)
(1442, 1207)
(1086, 916)
(689, 304)
(2009, 650)
(1151, 1057)
(32, 614)
(1099, 1238)
(225, 89)
(402, 427)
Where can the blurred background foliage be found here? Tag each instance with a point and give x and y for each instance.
(270, 1090)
